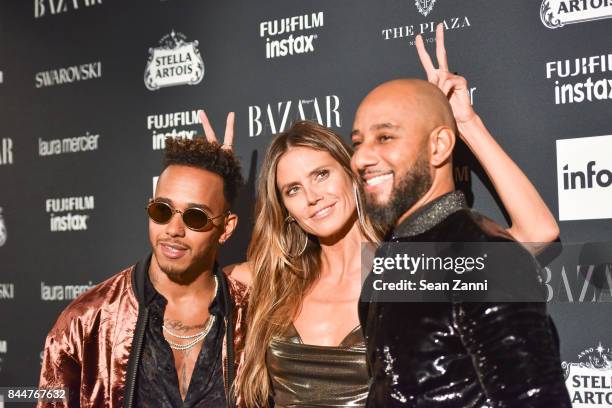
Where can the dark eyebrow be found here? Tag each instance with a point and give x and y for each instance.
(378, 126)
(310, 174)
(386, 125)
(189, 205)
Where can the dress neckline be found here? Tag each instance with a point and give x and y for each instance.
(348, 341)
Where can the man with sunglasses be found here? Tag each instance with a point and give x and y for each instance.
(169, 330)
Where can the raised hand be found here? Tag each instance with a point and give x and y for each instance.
(455, 87)
(210, 133)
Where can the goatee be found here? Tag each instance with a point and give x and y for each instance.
(410, 188)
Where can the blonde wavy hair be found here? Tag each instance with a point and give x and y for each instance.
(284, 260)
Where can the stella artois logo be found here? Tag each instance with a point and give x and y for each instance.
(557, 13)
(175, 62)
(2, 229)
(425, 6)
(589, 381)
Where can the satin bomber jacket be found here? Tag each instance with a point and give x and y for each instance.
(94, 347)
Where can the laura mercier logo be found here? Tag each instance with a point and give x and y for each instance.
(290, 45)
(557, 13)
(62, 292)
(589, 381)
(174, 62)
(425, 6)
(84, 143)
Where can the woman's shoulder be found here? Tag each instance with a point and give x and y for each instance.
(240, 272)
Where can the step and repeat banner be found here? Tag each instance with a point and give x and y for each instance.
(89, 89)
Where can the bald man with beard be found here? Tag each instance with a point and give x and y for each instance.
(454, 353)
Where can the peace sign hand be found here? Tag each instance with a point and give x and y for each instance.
(210, 133)
(455, 87)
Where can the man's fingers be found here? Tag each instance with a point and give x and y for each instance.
(456, 83)
(440, 49)
(428, 65)
(208, 130)
(228, 140)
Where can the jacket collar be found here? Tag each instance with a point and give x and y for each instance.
(430, 215)
(141, 269)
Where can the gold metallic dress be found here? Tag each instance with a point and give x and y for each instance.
(309, 376)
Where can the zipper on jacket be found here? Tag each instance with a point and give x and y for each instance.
(139, 339)
(227, 396)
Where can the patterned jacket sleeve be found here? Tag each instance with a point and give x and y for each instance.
(61, 367)
(514, 352)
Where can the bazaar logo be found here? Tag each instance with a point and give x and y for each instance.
(175, 62)
(557, 13)
(3, 233)
(589, 381)
(425, 6)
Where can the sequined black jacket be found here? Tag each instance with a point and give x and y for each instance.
(458, 354)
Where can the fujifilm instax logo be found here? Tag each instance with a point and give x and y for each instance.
(584, 178)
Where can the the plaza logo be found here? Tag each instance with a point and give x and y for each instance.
(69, 221)
(7, 291)
(426, 29)
(589, 380)
(584, 178)
(425, 6)
(62, 292)
(175, 62)
(276, 117)
(68, 75)
(571, 85)
(3, 233)
(173, 125)
(557, 13)
(84, 143)
(52, 7)
(290, 44)
(6, 151)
